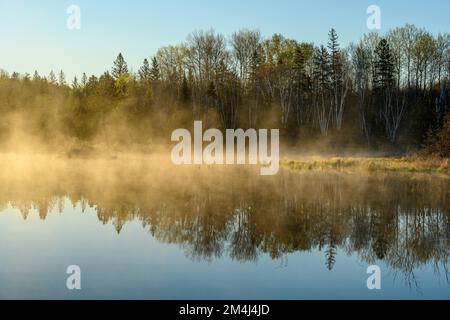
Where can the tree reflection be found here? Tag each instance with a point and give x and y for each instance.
(401, 220)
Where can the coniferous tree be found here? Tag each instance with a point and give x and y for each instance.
(336, 75)
(15, 76)
(84, 80)
(62, 79)
(145, 89)
(75, 83)
(330, 254)
(361, 65)
(145, 71)
(155, 72)
(322, 85)
(391, 105)
(106, 85)
(254, 85)
(52, 77)
(185, 91)
(335, 57)
(36, 76)
(255, 64)
(120, 67)
(299, 65)
(384, 66)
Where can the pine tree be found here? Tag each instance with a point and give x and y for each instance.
(36, 76)
(155, 73)
(75, 83)
(300, 82)
(321, 76)
(120, 67)
(62, 79)
(331, 253)
(52, 77)
(384, 66)
(300, 65)
(255, 64)
(322, 69)
(336, 76)
(185, 92)
(145, 71)
(106, 85)
(390, 103)
(84, 79)
(335, 56)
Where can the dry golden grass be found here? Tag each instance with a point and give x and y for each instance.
(403, 164)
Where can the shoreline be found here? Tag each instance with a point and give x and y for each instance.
(370, 164)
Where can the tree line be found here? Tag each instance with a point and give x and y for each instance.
(384, 90)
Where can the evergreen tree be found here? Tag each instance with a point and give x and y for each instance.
(155, 73)
(84, 79)
(300, 66)
(336, 76)
(389, 102)
(384, 66)
(62, 79)
(255, 64)
(322, 69)
(106, 85)
(120, 67)
(331, 253)
(335, 56)
(321, 84)
(92, 82)
(75, 83)
(185, 92)
(36, 76)
(52, 77)
(145, 71)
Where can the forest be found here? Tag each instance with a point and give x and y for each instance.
(384, 93)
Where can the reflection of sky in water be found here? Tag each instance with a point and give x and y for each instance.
(35, 253)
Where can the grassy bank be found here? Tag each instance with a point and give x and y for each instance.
(403, 164)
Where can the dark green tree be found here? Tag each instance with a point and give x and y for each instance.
(75, 83)
(384, 66)
(84, 79)
(145, 72)
(155, 74)
(337, 77)
(62, 79)
(105, 85)
(321, 88)
(185, 91)
(120, 67)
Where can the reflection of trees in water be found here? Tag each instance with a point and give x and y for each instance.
(404, 221)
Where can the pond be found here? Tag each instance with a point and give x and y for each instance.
(144, 229)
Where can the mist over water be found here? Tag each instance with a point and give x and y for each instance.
(293, 235)
(261, 163)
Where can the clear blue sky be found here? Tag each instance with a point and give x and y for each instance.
(34, 33)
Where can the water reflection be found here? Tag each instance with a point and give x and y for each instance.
(211, 213)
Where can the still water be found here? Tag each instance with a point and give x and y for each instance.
(143, 229)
